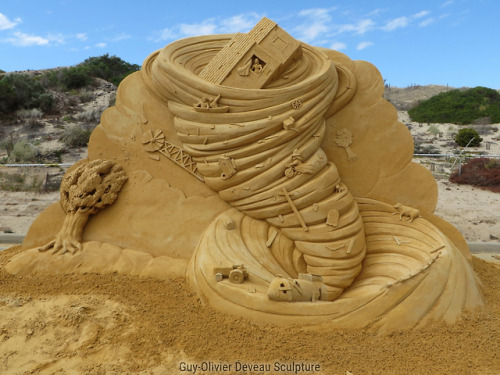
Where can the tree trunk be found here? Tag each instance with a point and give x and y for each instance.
(69, 238)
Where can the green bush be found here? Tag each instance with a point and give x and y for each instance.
(24, 152)
(7, 145)
(75, 77)
(46, 102)
(110, 68)
(433, 129)
(76, 136)
(465, 135)
(19, 91)
(459, 107)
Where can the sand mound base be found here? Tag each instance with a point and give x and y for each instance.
(412, 273)
(97, 257)
(114, 324)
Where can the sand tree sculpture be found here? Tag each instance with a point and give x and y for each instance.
(344, 139)
(85, 190)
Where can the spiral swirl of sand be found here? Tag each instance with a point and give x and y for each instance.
(281, 174)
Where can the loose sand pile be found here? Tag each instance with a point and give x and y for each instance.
(112, 324)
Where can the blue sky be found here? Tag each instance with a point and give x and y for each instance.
(454, 42)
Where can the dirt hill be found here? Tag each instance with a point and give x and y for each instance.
(405, 98)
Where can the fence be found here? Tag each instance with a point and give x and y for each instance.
(450, 163)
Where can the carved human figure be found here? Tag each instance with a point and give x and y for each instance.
(256, 66)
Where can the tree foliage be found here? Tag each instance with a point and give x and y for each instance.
(20, 91)
(466, 135)
(459, 107)
(110, 68)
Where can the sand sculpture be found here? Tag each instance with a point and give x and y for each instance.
(276, 177)
(88, 188)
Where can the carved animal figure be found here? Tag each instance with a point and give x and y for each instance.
(410, 212)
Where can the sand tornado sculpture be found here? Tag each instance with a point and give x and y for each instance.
(273, 176)
(265, 156)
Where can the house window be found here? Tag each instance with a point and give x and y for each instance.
(257, 65)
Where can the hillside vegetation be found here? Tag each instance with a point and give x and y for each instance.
(479, 104)
(25, 91)
(47, 116)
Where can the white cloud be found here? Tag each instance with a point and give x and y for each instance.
(421, 14)
(81, 36)
(426, 22)
(101, 45)
(396, 23)
(204, 28)
(184, 30)
(168, 34)
(364, 45)
(120, 37)
(316, 23)
(360, 28)
(376, 12)
(402, 22)
(5, 23)
(56, 38)
(239, 23)
(446, 3)
(338, 46)
(25, 40)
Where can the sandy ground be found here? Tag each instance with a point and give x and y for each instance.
(113, 324)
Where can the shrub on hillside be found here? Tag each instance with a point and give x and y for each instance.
(483, 172)
(19, 91)
(24, 151)
(92, 115)
(47, 103)
(466, 135)
(75, 77)
(86, 96)
(76, 136)
(459, 107)
(110, 68)
(33, 113)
